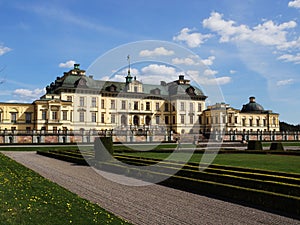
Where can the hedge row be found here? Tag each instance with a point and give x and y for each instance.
(268, 200)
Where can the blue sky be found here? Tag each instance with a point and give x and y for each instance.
(252, 48)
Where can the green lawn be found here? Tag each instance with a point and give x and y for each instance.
(28, 198)
(284, 163)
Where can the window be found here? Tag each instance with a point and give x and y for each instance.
(135, 89)
(44, 115)
(0, 117)
(157, 119)
(94, 117)
(28, 129)
(229, 119)
(69, 98)
(157, 106)
(148, 106)
(236, 119)
(81, 116)
(199, 107)
(28, 117)
(251, 122)
(166, 119)
(113, 118)
(142, 106)
(191, 106)
(136, 105)
(274, 120)
(182, 119)
(55, 130)
(243, 122)
(191, 119)
(102, 104)
(65, 115)
(54, 115)
(123, 105)
(257, 122)
(166, 107)
(174, 120)
(71, 115)
(94, 102)
(265, 122)
(112, 104)
(200, 120)
(102, 118)
(13, 117)
(181, 106)
(81, 101)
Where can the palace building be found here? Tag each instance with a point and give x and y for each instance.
(76, 101)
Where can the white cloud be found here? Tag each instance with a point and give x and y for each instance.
(232, 71)
(68, 64)
(194, 61)
(295, 4)
(284, 82)
(208, 78)
(290, 58)
(160, 51)
(209, 61)
(209, 72)
(4, 50)
(155, 69)
(29, 94)
(267, 33)
(193, 40)
(185, 61)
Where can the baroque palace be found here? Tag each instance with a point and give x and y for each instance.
(77, 102)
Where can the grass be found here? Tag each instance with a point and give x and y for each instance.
(283, 163)
(28, 198)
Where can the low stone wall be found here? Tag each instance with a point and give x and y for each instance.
(88, 137)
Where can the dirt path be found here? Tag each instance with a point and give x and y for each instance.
(152, 204)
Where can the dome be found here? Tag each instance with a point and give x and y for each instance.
(252, 106)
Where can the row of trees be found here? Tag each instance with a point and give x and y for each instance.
(288, 127)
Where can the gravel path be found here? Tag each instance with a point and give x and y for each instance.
(152, 204)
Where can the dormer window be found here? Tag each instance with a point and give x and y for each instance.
(155, 91)
(190, 91)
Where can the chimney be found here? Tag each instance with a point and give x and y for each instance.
(181, 77)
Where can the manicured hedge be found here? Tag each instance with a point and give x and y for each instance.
(254, 145)
(103, 147)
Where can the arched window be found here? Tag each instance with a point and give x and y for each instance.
(148, 120)
(136, 120)
(123, 120)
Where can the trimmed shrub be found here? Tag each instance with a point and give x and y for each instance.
(276, 146)
(254, 145)
(103, 147)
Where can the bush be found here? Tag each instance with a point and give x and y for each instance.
(276, 146)
(103, 147)
(255, 145)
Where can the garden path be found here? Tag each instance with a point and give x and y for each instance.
(153, 204)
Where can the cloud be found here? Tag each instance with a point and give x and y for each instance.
(209, 72)
(209, 61)
(155, 69)
(208, 79)
(160, 51)
(68, 64)
(232, 71)
(295, 4)
(194, 61)
(4, 50)
(290, 58)
(29, 94)
(192, 39)
(267, 33)
(284, 82)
